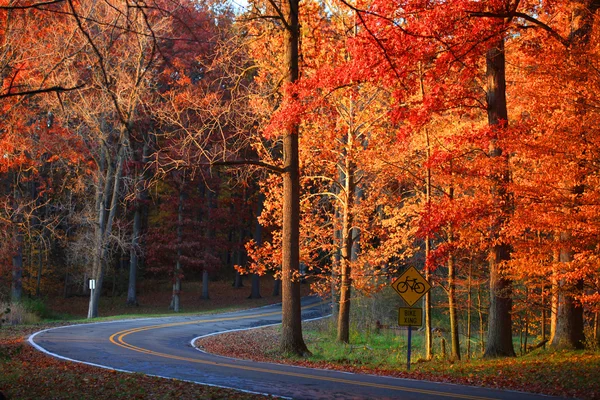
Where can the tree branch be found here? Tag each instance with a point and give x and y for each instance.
(52, 89)
(28, 6)
(528, 18)
(261, 164)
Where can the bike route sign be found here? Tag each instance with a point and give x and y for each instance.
(411, 286)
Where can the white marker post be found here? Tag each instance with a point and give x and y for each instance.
(92, 288)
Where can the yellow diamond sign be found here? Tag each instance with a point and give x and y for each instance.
(411, 286)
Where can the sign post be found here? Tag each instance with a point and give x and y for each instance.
(92, 283)
(411, 286)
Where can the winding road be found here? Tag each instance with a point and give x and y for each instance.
(163, 347)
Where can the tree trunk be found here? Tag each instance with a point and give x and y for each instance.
(597, 328)
(238, 281)
(106, 200)
(428, 327)
(133, 257)
(205, 294)
(38, 286)
(291, 328)
(499, 342)
(16, 292)
(134, 252)
(569, 317)
(255, 291)
(16, 289)
(343, 328)
(176, 300)
(481, 325)
(454, 338)
(276, 287)
(469, 300)
(569, 330)
(554, 298)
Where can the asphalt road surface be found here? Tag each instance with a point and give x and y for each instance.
(163, 347)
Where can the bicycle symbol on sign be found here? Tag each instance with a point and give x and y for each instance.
(404, 285)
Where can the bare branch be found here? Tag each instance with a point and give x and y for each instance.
(261, 164)
(52, 89)
(28, 6)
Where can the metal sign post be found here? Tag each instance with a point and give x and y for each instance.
(409, 346)
(409, 317)
(411, 286)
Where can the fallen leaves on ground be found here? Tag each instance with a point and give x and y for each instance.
(26, 373)
(560, 374)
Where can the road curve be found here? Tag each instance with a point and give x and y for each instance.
(163, 347)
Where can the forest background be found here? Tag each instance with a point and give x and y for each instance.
(338, 142)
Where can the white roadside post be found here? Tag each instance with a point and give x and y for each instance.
(92, 288)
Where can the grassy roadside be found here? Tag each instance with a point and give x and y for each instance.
(567, 374)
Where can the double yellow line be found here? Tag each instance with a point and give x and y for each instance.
(119, 340)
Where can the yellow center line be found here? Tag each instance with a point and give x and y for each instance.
(119, 340)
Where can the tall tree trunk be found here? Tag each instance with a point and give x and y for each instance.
(107, 200)
(205, 294)
(133, 257)
(428, 327)
(554, 297)
(255, 291)
(597, 328)
(176, 300)
(16, 291)
(499, 342)
(481, 325)
(568, 332)
(291, 328)
(102, 190)
(569, 321)
(38, 286)
(469, 301)
(134, 252)
(454, 338)
(343, 328)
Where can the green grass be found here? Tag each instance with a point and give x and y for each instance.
(565, 373)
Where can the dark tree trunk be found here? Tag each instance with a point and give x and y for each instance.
(343, 328)
(499, 342)
(276, 287)
(427, 300)
(597, 328)
(139, 214)
(291, 327)
(38, 286)
(16, 292)
(569, 324)
(454, 338)
(175, 299)
(133, 257)
(568, 333)
(106, 206)
(255, 291)
(205, 295)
